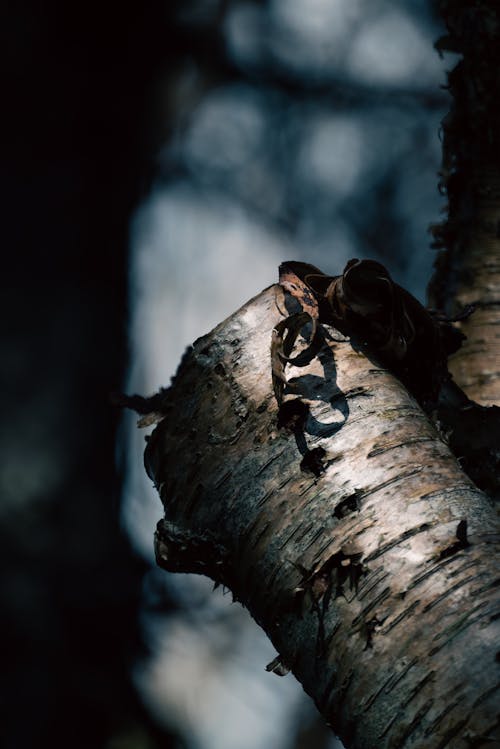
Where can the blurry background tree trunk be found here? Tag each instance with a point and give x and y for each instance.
(468, 270)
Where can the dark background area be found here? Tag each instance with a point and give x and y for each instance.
(78, 138)
(90, 93)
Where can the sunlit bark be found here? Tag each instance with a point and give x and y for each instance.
(371, 587)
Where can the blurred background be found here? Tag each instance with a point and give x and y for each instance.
(159, 162)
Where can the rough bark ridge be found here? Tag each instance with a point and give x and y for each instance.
(357, 542)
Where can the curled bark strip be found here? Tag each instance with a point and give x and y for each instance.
(284, 335)
(346, 572)
(292, 282)
(414, 343)
(366, 304)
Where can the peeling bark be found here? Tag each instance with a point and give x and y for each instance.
(374, 577)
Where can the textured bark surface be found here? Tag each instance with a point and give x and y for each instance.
(472, 271)
(374, 591)
(468, 270)
(476, 366)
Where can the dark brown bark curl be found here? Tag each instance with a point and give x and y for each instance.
(374, 576)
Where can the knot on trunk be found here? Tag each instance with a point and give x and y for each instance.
(181, 550)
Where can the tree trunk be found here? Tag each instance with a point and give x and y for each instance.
(357, 541)
(475, 260)
(468, 271)
(377, 595)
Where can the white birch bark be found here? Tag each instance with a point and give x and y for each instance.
(364, 578)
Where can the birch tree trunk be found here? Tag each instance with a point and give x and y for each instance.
(357, 542)
(364, 578)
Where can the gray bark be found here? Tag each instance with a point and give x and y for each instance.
(375, 593)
